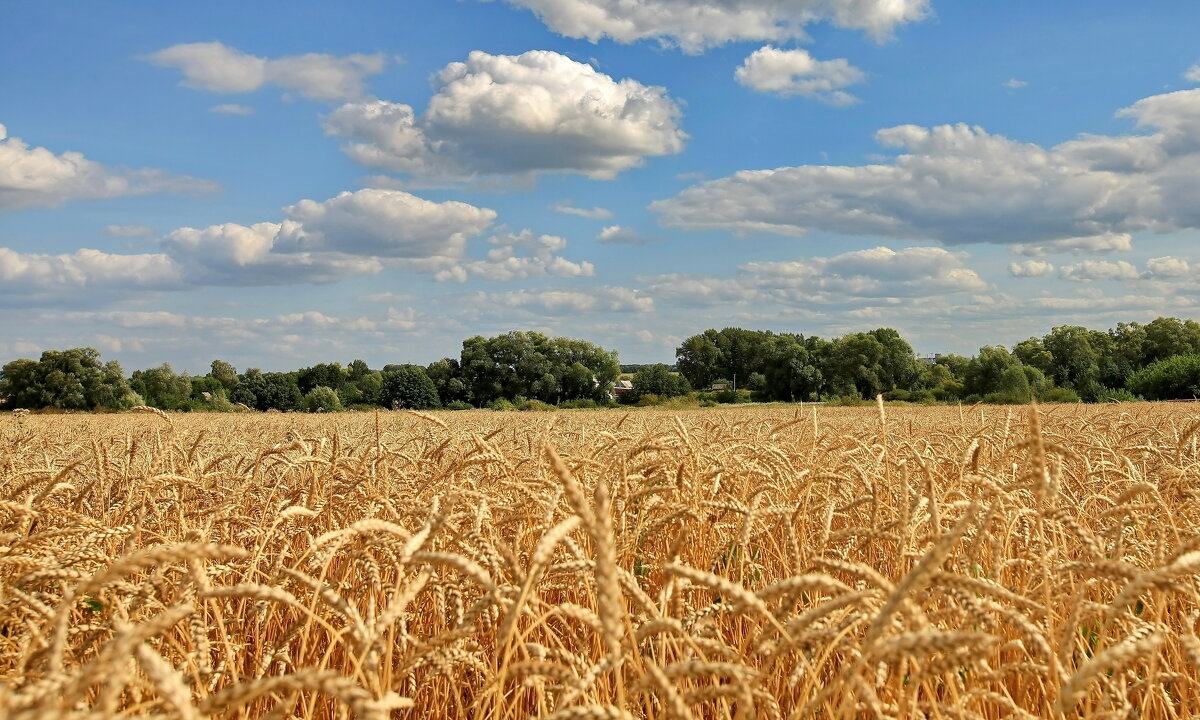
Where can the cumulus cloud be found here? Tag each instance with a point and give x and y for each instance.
(1089, 270)
(352, 234)
(960, 184)
(504, 262)
(695, 25)
(620, 235)
(1088, 245)
(1168, 267)
(216, 67)
(383, 223)
(35, 176)
(1030, 268)
(592, 213)
(34, 279)
(1014, 84)
(514, 115)
(233, 254)
(1193, 73)
(231, 109)
(876, 274)
(605, 298)
(795, 72)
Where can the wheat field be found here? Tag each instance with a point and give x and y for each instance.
(768, 562)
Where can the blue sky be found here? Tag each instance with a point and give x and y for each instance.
(281, 184)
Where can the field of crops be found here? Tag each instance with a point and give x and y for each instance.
(764, 562)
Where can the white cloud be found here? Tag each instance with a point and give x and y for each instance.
(959, 184)
(795, 72)
(353, 233)
(504, 263)
(84, 275)
(35, 176)
(620, 235)
(592, 213)
(1089, 270)
(605, 298)
(231, 109)
(1168, 267)
(1089, 245)
(697, 24)
(1030, 268)
(219, 68)
(233, 254)
(1014, 84)
(513, 115)
(383, 223)
(876, 274)
(1193, 73)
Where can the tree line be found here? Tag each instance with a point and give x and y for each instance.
(1156, 360)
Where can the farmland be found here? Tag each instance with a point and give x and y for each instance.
(776, 561)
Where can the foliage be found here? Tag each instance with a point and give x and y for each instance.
(268, 391)
(162, 388)
(1172, 379)
(656, 380)
(408, 387)
(531, 365)
(72, 379)
(322, 398)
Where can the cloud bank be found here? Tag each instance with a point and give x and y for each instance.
(514, 115)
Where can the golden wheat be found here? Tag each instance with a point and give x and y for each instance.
(728, 563)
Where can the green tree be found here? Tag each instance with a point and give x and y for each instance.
(322, 399)
(356, 370)
(1033, 353)
(268, 391)
(446, 375)
(409, 387)
(530, 365)
(984, 372)
(72, 379)
(162, 387)
(791, 371)
(855, 366)
(21, 385)
(658, 380)
(330, 375)
(1175, 378)
(1083, 360)
(224, 373)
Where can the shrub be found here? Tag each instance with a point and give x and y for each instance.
(1059, 395)
(322, 398)
(1172, 379)
(848, 401)
(648, 400)
(460, 405)
(536, 406)
(733, 396)
(1117, 395)
(580, 404)
(501, 405)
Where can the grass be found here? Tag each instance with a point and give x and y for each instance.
(831, 562)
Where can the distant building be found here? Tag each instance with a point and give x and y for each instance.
(621, 387)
